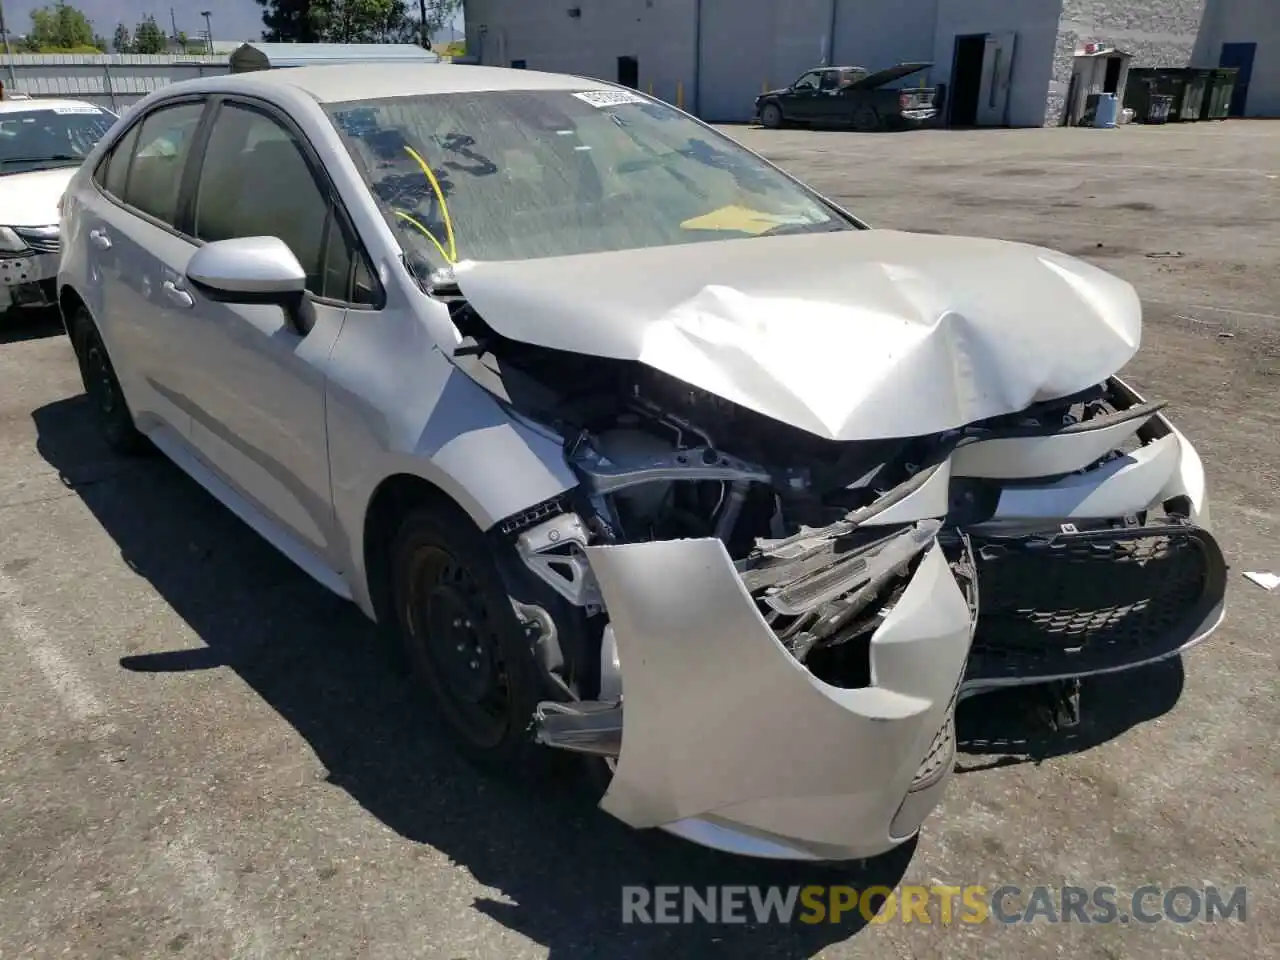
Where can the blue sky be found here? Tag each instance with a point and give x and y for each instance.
(232, 19)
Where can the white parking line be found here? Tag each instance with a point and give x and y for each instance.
(204, 889)
(74, 692)
(1193, 307)
(1176, 167)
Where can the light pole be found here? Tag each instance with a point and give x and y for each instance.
(8, 54)
(208, 29)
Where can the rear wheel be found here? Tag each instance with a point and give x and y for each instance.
(110, 409)
(463, 640)
(866, 120)
(771, 116)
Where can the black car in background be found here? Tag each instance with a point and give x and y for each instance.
(849, 96)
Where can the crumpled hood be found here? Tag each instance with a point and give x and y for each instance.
(31, 199)
(858, 335)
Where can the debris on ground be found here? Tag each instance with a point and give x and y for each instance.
(1267, 581)
(1165, 254)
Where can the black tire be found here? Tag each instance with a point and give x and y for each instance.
(464, 642)
(110, 409)
(866, 120)
(771, 116)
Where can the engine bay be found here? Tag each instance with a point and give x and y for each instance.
(662, 460)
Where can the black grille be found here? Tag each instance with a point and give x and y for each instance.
(43, 244)
(942, 752)
(1082, 603)
(39, 242)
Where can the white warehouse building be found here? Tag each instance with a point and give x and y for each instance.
(999, 62)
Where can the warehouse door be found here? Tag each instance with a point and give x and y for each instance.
(736, 54)
(629, 72)
(997, 71)
(1239, 55)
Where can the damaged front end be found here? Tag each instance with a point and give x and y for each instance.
(782, 624)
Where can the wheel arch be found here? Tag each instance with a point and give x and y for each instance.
(69, 303)
(394, 498)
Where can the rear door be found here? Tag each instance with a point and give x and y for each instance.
(137, 255)
(257, 387)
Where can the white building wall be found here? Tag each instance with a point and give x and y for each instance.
(1245, 21)
(881, 33)
(1034, 22)
(659, 33)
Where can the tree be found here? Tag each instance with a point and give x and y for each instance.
(287, 21)
(353, 21)
(60, 29)
(148, 37)
(122, 42)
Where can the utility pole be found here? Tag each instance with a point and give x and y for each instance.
(8, 54)
(208, 29)
(173, 19)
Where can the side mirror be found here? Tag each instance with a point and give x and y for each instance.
(248, 270)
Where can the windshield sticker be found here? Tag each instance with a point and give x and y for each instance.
(609, 98)
(78, 108)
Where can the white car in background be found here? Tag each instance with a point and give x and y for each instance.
(42, 144)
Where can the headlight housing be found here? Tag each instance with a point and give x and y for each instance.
(11, 243)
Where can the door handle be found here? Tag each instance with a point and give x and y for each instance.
(178, 295)
(100, 239)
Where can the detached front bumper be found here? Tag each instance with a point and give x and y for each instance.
(28, 281)
(1019, 557)
(732, 743)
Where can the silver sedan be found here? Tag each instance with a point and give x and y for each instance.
(642, 449)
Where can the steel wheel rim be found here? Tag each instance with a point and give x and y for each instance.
(101, 388)
(456, 633)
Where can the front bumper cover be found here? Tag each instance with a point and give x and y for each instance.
(731, 742)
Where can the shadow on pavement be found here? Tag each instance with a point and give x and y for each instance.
(1003, 729)
(19, 325)
(315, 659)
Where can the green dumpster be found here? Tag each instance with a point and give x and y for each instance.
(1144, 95)
(1184, 87)
(1217, 97)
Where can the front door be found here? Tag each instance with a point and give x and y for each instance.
(1240, 56)
(258, 385)
(997, 72)
(804, 100)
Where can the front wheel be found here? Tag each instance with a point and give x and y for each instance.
(771, 116)
(463, 639)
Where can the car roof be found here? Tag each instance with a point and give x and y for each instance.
(41, 103)
(338, 83)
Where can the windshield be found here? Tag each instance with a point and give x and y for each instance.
(46, 137)
(517, 175)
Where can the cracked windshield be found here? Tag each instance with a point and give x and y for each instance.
(516, 175)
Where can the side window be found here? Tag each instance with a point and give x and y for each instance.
(830, 80)
(114, 171)
(153, 178)
(255, 182)
(347, 274)
(808, 82)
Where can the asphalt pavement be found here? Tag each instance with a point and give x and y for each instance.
(203, 754)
